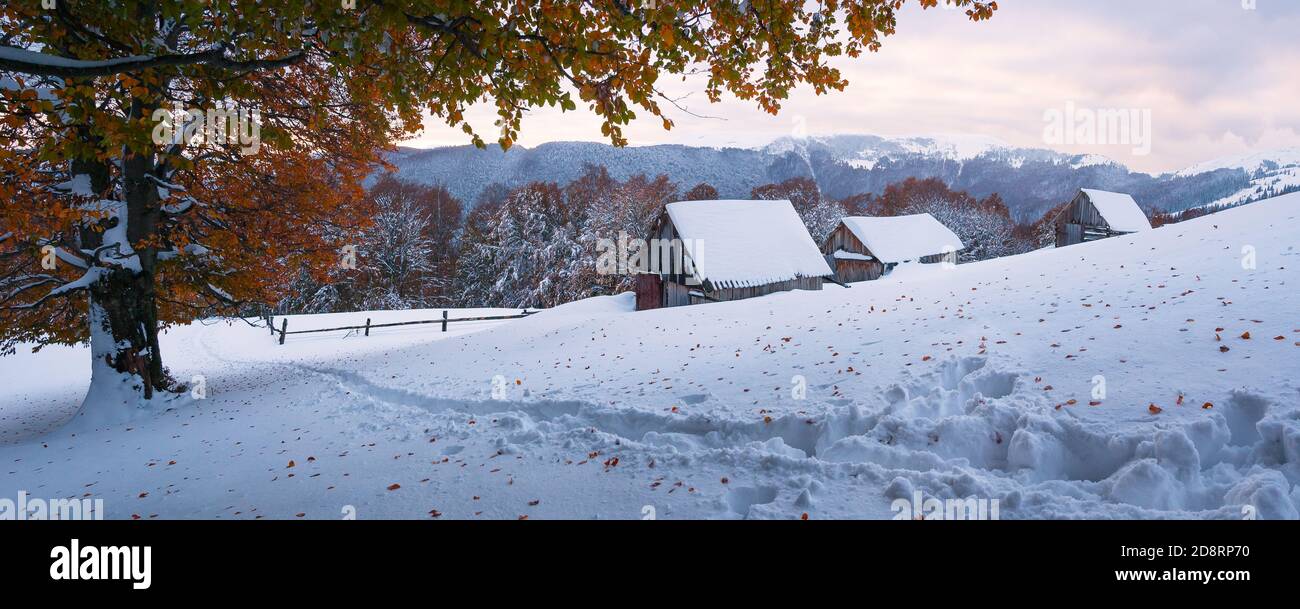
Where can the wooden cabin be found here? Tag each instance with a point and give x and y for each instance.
(715, 251)
(862, 248)
(1098, 214)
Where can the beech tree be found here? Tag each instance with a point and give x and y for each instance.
(701, 192)
(406, 258)
(109, 232)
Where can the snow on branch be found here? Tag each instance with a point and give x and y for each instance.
(43, 64)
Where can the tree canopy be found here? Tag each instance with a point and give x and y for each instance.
(163, 228)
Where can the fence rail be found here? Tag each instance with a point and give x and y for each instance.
(284, 323)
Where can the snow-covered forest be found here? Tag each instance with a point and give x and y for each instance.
(538, 245)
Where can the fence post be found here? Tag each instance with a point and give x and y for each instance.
(270, 323)
(444, 320)
(284, 325)
(367, 326)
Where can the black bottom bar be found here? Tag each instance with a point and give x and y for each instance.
(1067, 557)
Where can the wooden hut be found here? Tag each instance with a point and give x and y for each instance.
(1097, 214)
(713, 251)
(863, 248)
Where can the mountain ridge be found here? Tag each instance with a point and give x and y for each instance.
(1030, 180)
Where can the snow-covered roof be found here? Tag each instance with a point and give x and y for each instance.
(747, 243)
(894, 239)
(1119, 210)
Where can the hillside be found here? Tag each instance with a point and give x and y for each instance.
(972, 382)
(1271, 174)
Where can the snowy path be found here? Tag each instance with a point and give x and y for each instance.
(977, 382)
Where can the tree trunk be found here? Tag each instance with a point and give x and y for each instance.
(125, 316)
(127, 362)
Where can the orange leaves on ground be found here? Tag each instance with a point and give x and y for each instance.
(1155, 409)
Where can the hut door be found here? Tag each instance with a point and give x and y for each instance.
(649, 291)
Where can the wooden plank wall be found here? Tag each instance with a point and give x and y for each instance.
(677, 294)
(950, 257)
(1081, 222)
(799, 283)
(851, 271)
(843, 239)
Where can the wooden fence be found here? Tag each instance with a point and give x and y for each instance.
(284, 323)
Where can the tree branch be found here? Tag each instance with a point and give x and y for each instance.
(42, 64)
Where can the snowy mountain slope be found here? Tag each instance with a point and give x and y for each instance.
(1250, 162)
(976, 381)
(466, 171)
(1271, 173)
(1030, 180)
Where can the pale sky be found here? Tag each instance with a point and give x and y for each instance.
(1217, 77)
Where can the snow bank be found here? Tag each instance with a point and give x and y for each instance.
(1127, 389)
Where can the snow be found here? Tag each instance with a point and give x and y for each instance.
(79, 185)
(747, 243)
(843, 255)
(957, 147)
(1119, 210)
(1271, 172)
(1249, 162)
(972, 381)
(895, 239)
(1091, 160)
(44, 59)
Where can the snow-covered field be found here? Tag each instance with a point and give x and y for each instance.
(976, 381)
